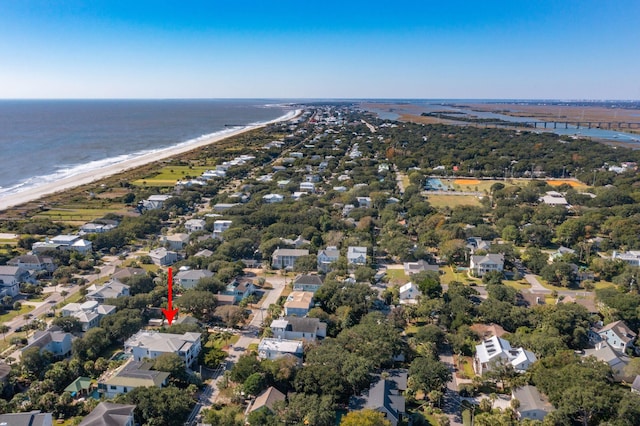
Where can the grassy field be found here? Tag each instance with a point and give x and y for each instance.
(439, 201)
(216, 341)
(71, 214)
(397, 276)
(169, 175)
(518, 285)
(450, 274)
(25, 309)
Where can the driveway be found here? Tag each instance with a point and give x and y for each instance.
(536, 287)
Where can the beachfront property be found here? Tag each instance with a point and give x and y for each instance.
(110, 290)
(189, 278)
(151, 344)
(155, 202)
(490, 262)
(163, 257)
(110, 414)
(296, 328)
(356, 255)
(194, 225)
(269, 348)
(10, 279)
(298, 303)
(63, 242)
(133, 374)
(88, 313)
(33, 262)
(286, 258)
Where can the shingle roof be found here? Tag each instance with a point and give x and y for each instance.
(109, 414)
(267, 398)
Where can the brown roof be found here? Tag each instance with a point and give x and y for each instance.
(488, 330)
(267, 399)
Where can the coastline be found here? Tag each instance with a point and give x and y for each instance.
(35, 193)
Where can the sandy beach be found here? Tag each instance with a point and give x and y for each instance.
(35, 193)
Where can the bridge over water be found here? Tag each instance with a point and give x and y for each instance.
(608, 125)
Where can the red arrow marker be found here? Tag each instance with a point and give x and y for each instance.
(170, 312)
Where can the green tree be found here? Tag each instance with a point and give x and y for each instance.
(200, 304)
(254, 384)
(428, 374)
(365, 417)
(172, 363)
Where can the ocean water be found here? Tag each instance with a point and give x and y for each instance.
(46, 140)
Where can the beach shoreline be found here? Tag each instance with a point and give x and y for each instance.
(90, 176)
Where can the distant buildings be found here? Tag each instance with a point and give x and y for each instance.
(356, 255)
(286, 258)
(194, 225)
(480, 265)
(326, 257)
(155, 202)
(411, 268)
(63, 242)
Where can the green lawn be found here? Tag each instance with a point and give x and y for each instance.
(169, 175)
(25, 309)
(397, 276)
(518, 285)
(74, 298)
(216, 341)
(73, 214)
(440, 201)
(467, 367)
(450, 274)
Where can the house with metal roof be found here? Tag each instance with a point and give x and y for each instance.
(275, 348)
(110, 414)
(133, 374)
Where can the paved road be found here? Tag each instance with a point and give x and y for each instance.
(536, 287)
(451, 400)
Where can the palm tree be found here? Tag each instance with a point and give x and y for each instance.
(64, 295)
(4, 329)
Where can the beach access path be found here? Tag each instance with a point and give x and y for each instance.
(35, 193)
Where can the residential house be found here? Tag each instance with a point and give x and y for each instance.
(312, 178)
(296, 328)
(110, 290)
(193, 225)
(480, 265)
(308, 187)
(239, 289)
(310, 283)
(110, 414)
(219, 226)
(88, 313)
(63, 242)
(223, 207)
(282, 184)
(485, 331)
(533, 405)
(267, 399)
(96, 228)
(10, 279)
(189, 278)
(411, 268)
(616, 360)
(32, 418)
(409, 294)
(618, 335)
(80, 387)
(385, 395)
(204, 253)
(631, 257)
(151, 344)
(297, 243)
(126, 273)
(476, 243)
(155, 202)
(163, 257)
(347, 209)
(556, 255)
(497, 350)
(364, 202)
(33, 262)
(298, 303)
(53, 340)
(133, 374)
(326, 257)
(273, 198)
(554, 198)
(275, 348)
(176, 241)
(286, 258)
(356, 255)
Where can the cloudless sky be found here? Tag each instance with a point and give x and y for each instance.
(560, 49)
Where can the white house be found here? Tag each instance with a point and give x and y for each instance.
(631, 257)
(193, 225)
(497, 350)
(409, 294)
(554, 198)
(133, 374)
(618, 335)
(364, 202)
(163, 257)
(64, 242)
(286, 258)
(276, 348)
(326, 257)
(155, 202)
(10, 279)
(308, 187)
(480, 265)
(273, 198)
(96, 228)
(533, 405)
(357, 255)
(88, 313)
(219, 226)
(188, 279)
(151, 344)
(616, 360)
(110, 290)
(296, 328)
(33, 262)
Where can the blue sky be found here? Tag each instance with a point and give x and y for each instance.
(587, 49)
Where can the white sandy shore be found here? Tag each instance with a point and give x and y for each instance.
(35, 193)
